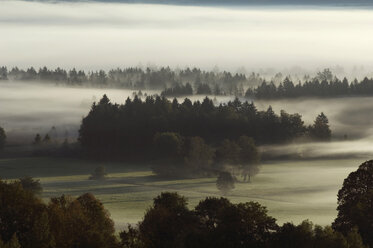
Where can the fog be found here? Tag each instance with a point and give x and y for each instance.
(106, 35)
(29, 108)
(350, 120)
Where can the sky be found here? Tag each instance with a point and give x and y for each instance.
(95, 35)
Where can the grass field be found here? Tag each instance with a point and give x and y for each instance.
(292, 191)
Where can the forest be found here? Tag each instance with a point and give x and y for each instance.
(186, 82)
(324, 86)
(140, 79)
(157, 129)
(81, 222)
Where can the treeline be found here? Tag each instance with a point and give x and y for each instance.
(324, 85)
(128, 130)
(139, 79)
(65, 222)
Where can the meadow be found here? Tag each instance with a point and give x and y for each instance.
(292, 190)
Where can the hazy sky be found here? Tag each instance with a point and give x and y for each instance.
(106, 35)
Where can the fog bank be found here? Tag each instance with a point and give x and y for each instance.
(106, 35)
(29, 108)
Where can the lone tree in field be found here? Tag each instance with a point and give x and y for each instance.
(99, 173)
(355, 203)
(225, 182)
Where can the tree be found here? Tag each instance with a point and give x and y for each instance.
(167, 223)
(47, 139)
(325, 75)
(131, 238)
(355, 204)
(33, 185)
(199, 157)
(99, 173)
(2, 138)
(81, 222)
(320, 129)
(23, 213)
(228, 153)
(12, 243)
(37, 139)
(225, 182)
(249, 157)
(307, 235)
(224, 224)
(168, 144)
(168, 148)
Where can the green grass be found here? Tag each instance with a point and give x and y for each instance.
(292, 191)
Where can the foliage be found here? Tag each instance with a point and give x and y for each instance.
(306, 235)
(179, 82)
(241, 155)
(24, 214)
(128, 130)
(199, 157)
(81, 222)
(225, 182)
(138, 78)
(320, 129)
(25, 221)
(178, 90)
(167, 223)
(214, 223)
(33, 185)
(99, 173)
(37, 139)
(12, 243)
(325, 84)
(355, 208)
(2, 138)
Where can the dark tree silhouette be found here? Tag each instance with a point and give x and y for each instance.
(99, 173)
(33, 185)
(225, 182)
(47, 139)
(355, 206)
(37, 139)
(167, 223)
(320, 129)
(24, 214)
(2, 138)
(306, 235)
(81, 222)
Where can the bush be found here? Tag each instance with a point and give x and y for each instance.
(99, 173)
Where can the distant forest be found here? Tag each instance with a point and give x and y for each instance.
(176, 83)
(203, 82)
(324, 85)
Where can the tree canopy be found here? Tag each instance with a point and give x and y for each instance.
(128, 130)
(355, 208)
(27, 222)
